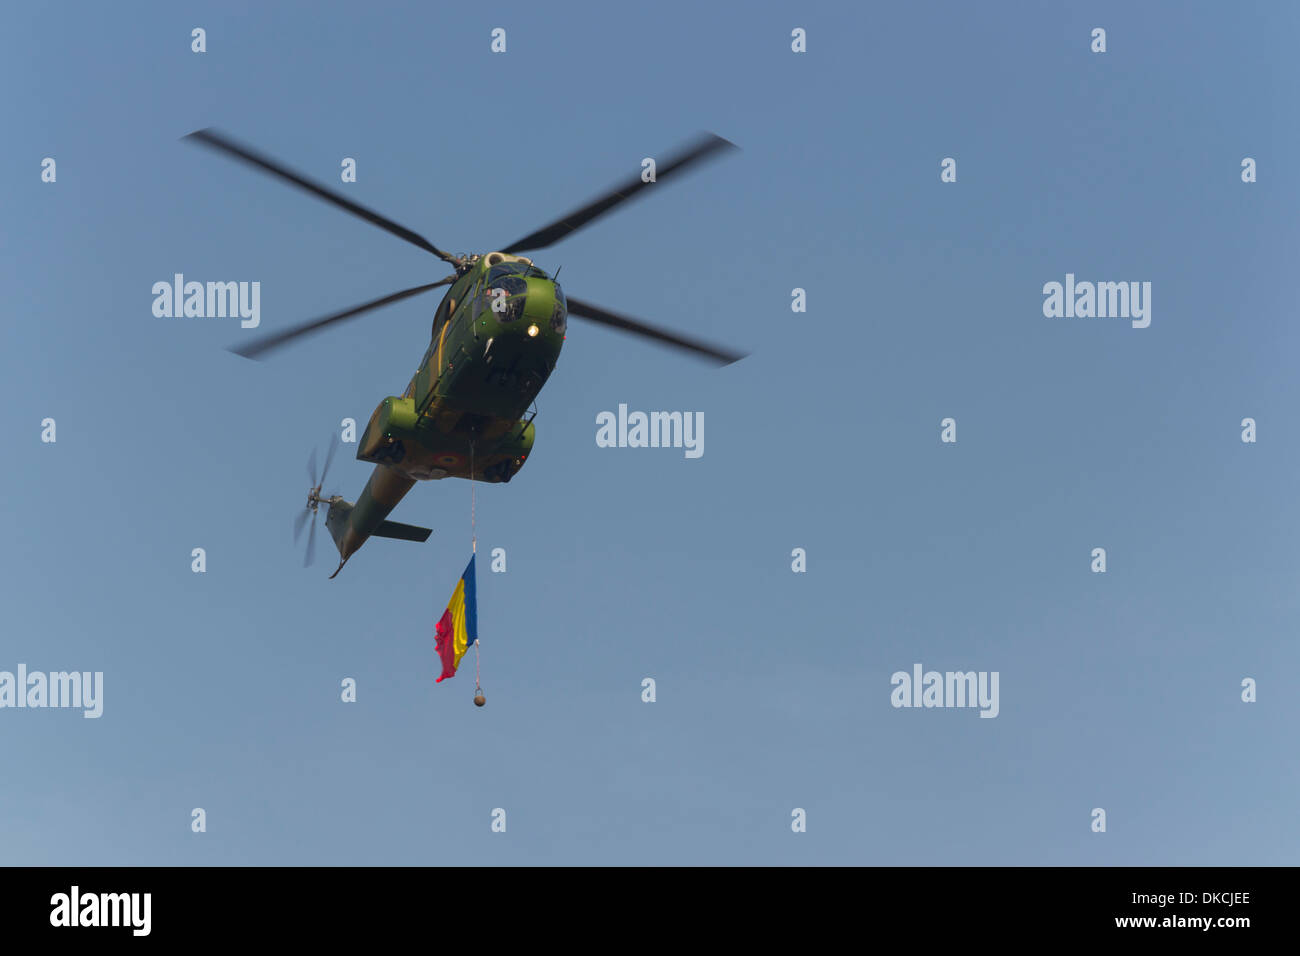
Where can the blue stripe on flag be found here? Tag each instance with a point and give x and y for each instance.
(471, 604)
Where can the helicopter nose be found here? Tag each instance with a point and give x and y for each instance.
(539, 303)
(540, 308)
(532, 310)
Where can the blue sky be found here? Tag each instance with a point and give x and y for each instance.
(222, 690)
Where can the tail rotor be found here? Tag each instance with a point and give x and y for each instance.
(314, 501)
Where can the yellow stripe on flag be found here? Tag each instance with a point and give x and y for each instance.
(457, 607)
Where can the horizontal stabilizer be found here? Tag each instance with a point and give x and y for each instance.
(405, 532)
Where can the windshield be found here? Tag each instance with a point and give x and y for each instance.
(516, 269)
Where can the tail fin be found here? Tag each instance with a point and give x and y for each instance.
(337, 522)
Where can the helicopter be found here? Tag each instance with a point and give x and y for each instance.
(495, 340)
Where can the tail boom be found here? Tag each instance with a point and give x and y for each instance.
(351, 524)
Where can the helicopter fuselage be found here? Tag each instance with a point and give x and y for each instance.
(497, 335)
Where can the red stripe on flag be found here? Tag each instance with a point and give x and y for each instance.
(446, 645)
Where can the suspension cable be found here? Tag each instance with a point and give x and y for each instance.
(473, 534)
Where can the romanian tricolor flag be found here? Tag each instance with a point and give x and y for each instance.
(458, 628)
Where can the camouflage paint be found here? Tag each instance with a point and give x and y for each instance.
(462, 413)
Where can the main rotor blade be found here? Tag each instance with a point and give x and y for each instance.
(701, 149)
(298, 523)
(218, 141)
(266, 343)
(329, 457)
(311, 468)
(612, 319)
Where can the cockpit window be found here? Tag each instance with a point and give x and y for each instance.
(560, 314)
(512, 284)
(509, 291)
(515, 269)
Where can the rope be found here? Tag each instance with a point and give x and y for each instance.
(473, 534)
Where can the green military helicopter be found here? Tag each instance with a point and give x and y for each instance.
(496, 337)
